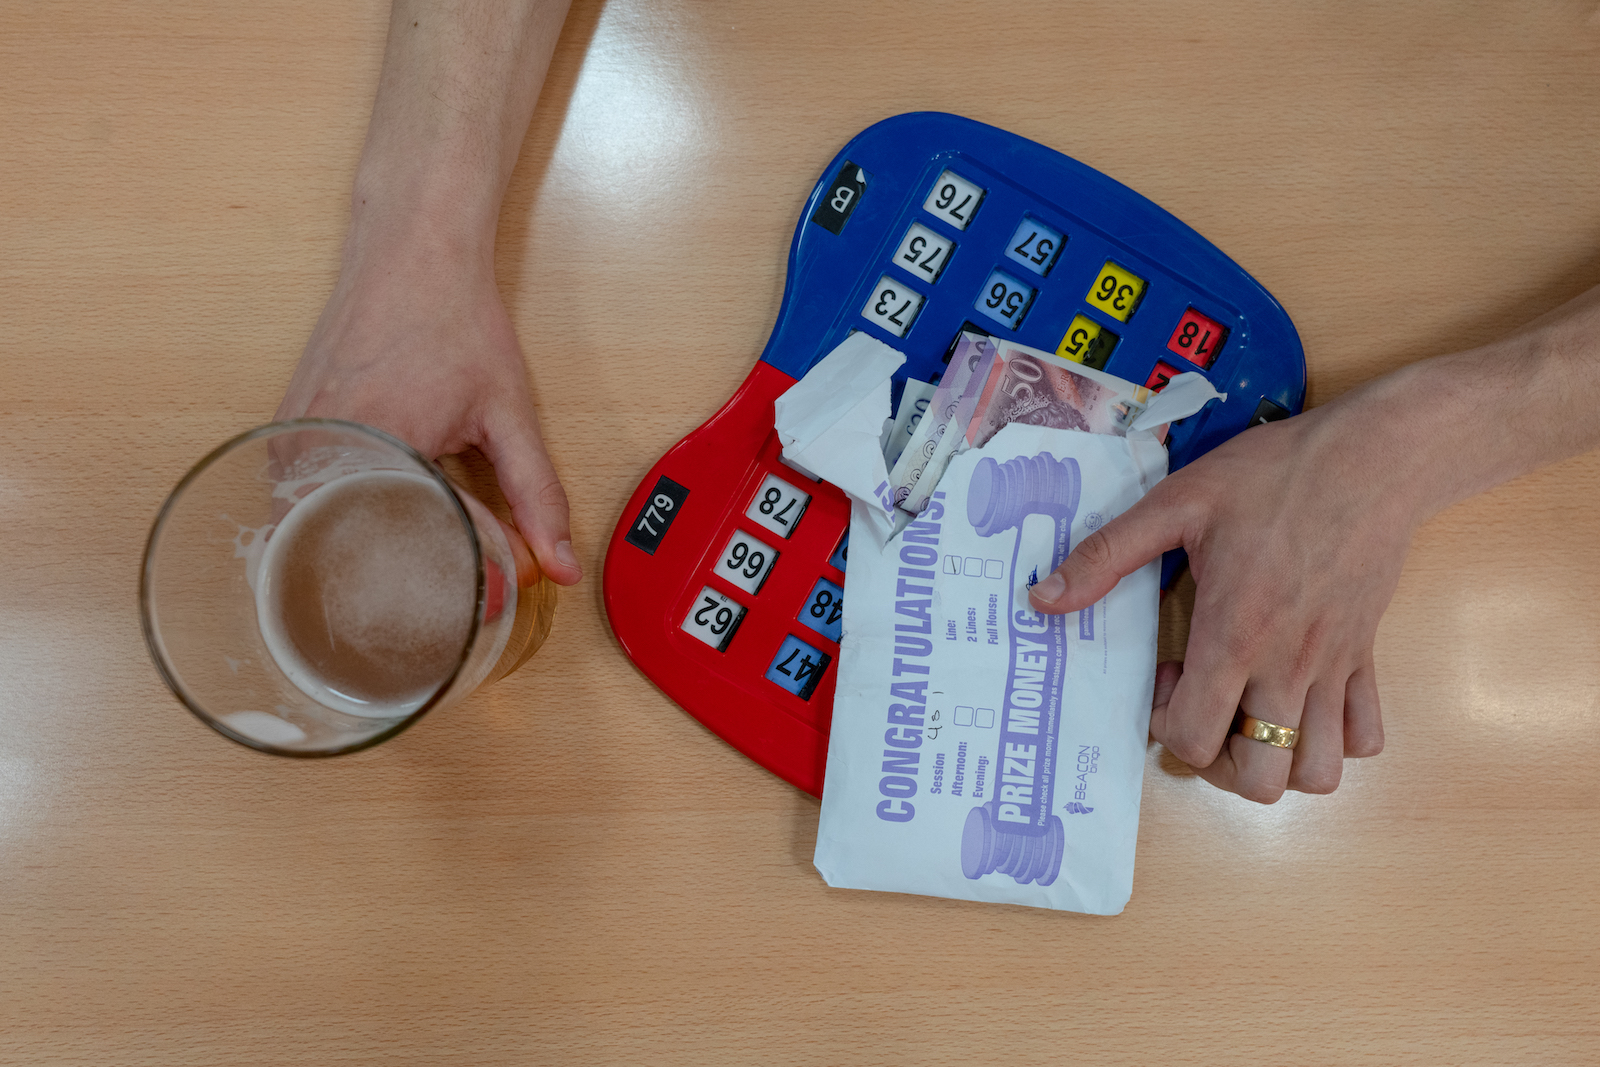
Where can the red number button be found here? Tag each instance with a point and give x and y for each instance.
(1197, 339)
(1159, 377)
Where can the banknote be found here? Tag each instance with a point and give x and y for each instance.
(1040, 389)
(914, 403)
(966, 373)
(952, 442)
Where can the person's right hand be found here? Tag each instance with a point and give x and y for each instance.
(1296, 539)
(416, 341)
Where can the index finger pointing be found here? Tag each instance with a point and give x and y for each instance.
(1126, 543)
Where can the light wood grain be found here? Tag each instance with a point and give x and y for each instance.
(568, 869)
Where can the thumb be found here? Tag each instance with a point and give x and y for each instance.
(532, 489)
(1120, 547)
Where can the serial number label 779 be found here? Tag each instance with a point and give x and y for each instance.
(655, 518)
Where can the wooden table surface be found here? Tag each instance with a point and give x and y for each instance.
(567, 868)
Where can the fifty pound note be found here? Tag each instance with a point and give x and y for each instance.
(1039, 389)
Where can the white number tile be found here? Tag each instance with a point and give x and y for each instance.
(746, 562)
(778, 506)
(923, 253)
(892, 305)
(953, 199)
(713, 618)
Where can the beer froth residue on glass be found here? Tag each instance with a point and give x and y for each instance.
(367, 590)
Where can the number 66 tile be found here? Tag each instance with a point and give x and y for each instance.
(746, 562)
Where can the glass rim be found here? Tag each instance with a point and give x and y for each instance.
(157, 647)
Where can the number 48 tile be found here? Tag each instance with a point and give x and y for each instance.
(824, 610)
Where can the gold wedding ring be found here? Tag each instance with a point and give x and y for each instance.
(1271, 733)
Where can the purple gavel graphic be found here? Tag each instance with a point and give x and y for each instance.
(1017, 832)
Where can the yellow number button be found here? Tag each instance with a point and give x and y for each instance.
(1117, 291)
(1087, 342)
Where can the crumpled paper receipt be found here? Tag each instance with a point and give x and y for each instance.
(979, 749)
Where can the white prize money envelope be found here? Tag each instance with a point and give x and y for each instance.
(979, 749)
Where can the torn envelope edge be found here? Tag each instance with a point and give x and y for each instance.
(1184, 395)
(831, 423)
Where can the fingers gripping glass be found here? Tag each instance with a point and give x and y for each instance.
(314, 587)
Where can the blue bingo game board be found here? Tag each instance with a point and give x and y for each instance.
(725, 576)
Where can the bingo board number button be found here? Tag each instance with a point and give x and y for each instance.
(798, 667)
(714, 618)
(892, 306)
(1117, 291)
(778, 506)
(1087, 342)
(1159, 377)
(655, 518)
(841, 555)
(953, 199)
(923, 253)
(1004, 299)
(1198, 338)
(833, 211)
(824, 610)
(1035, 245)
(746, 562)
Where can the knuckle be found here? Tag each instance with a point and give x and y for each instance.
(1260, 792)
(1320, 778)
(1364, 745)
(1248, 624)
(1192, 750)
(552, 495)
(1095, 552)
(1177, 493)
(1245, 639)
(1307, 654)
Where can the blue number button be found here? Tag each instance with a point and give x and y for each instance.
(824, 610)
(1035, 245)
(841, 554)
(798, 667)
(1004, 299)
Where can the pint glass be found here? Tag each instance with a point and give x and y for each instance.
(313, 587)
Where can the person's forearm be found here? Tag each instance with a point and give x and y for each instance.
(1446, 428)
(458, 88)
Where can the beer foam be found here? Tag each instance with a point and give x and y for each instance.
(366, 591)
(264, 727)
(249, 544)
